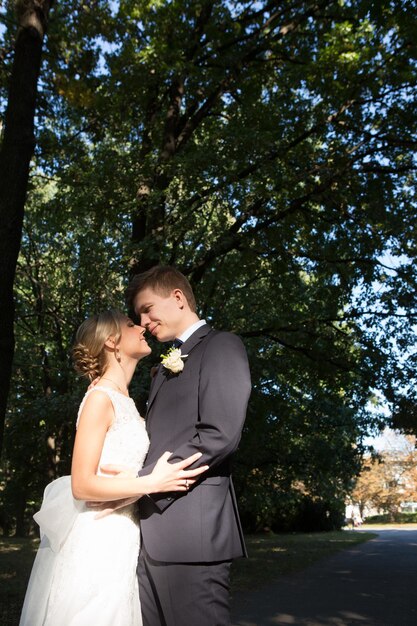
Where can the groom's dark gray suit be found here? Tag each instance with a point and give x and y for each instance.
(203, 409)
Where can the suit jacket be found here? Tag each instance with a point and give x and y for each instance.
(203, 409)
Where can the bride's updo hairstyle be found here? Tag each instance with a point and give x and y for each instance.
(89, 354)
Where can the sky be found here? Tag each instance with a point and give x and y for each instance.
(388, 440)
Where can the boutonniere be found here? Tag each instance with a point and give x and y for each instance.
(173, 360)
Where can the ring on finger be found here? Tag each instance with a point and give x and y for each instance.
(186, 483)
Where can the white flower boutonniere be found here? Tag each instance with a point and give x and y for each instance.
(173, 360)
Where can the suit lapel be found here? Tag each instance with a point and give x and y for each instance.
(186, 348)
(195, 339)
(156, 383)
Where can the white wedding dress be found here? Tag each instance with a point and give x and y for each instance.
(85, 569)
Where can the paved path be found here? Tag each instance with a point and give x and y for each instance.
(371, 584)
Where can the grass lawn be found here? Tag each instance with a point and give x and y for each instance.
(269, 557)
(16, 558)
(273, 555)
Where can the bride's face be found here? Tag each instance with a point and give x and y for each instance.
(132, 341)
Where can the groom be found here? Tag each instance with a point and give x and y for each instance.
(189, 540)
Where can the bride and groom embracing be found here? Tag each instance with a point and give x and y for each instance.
(87, 569)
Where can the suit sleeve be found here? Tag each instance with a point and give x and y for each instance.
(224, 392)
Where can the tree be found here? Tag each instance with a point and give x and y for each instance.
(16, 151)
(265, 150)
(388, 480)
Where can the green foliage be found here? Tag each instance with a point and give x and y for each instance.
(404, 416)
(269, 153)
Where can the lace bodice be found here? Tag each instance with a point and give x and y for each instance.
(126, 441)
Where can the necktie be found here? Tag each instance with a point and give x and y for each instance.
(177, 343)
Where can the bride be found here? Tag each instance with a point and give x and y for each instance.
(85, 569)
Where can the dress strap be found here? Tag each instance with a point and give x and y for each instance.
(109, 392)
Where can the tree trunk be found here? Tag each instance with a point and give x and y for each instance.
(15, 154)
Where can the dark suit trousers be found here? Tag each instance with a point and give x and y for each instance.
(183, 594)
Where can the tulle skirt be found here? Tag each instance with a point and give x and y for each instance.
(85, 569)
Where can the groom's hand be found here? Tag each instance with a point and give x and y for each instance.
(106, 508)
(121, 471)
(93, 383)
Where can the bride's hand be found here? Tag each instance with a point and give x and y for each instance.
(164, 477)
(174, 476)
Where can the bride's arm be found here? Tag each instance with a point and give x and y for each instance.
(95, 419)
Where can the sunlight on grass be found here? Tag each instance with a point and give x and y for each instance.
(271, 556)
(10, 548)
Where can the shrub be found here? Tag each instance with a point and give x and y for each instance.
(386, 518)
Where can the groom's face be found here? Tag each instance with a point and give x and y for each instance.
(162, 316)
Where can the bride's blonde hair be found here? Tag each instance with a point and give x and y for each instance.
(88, 353)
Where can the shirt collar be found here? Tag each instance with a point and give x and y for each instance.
(190, 330)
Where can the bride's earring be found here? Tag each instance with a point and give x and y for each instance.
(117, 354)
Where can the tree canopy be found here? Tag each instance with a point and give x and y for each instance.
(266, 149)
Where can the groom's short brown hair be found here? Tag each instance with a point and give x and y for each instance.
(162, 279)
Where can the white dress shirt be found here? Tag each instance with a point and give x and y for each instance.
(190, 330)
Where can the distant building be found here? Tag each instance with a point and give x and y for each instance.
(408, 507)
